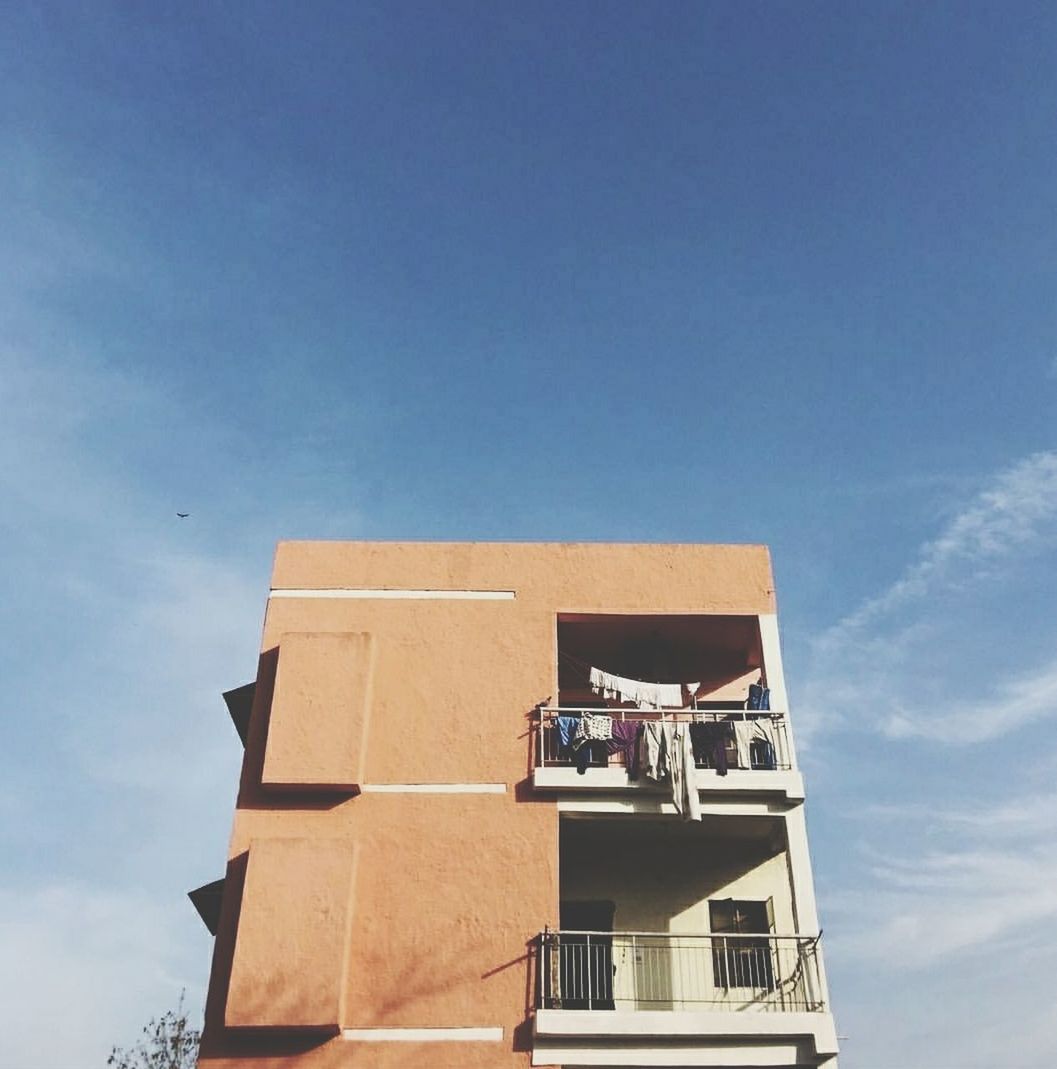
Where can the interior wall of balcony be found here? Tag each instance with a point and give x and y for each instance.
(719, 654)
(661, 873)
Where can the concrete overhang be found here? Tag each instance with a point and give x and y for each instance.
(240, 704)
(742, 782)
(207, 900)
(665, 1037)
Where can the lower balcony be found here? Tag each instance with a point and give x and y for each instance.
(649, 998)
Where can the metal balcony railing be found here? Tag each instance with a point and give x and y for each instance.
(658, 971)
(550, 752)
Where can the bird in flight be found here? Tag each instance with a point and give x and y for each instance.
(183, 515)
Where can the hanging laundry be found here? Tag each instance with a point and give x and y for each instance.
(654, 749)
(709, 742)
(756, 736)
(567, 729)
(592, 729)
(587, 754)
(625, 740)
(763, 755)
(759, 697)
(684, 774)
(594, 726)
(645, 695)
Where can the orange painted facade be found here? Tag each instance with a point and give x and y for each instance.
(391, 862)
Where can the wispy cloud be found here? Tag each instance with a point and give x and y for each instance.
(993, 875)
(1012, 704)
(948, 651)
(1030, 815)
(1015, 511)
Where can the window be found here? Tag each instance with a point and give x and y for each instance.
(737, 961)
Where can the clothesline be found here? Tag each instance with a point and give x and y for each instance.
(732, 713)
(667, 750)
(649, 695)
(588, 668)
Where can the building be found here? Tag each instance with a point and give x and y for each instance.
(420, 875)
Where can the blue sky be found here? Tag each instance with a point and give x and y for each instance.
(697, 272)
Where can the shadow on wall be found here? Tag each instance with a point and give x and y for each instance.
(217, 1040)
(417, 981)
(632, 865)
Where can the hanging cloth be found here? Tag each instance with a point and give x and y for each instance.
(654, 749)
(567, 729)
(625, 740)
(710, 744)
(756, 736)
(644, 695)
(684, 774)
(592, 730)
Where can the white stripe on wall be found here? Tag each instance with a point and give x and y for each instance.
(419, 1035)
(422, 595)
(435, 788)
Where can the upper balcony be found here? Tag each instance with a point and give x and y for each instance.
(735, 751)
(629, 676)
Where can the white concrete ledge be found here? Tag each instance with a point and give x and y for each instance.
(682, 1038)
(413, 595)
(735, 1054)
(782, 1026)
(433, 788)
(423, 1035)
(787, 783)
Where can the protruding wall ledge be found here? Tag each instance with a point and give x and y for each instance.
(208, 899)
(240, 704)
(291, 945)
(675, 1038)
(319, 711)
(787, 784)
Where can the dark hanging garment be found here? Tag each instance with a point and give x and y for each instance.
(709, 742)
(625, 740)
(591, 753)
(593, 733)
(763, 755)
(759, 697)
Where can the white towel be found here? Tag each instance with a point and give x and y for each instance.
(644, 695)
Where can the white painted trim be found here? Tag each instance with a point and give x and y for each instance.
(639, 1025)
(738, 781)
(652, 805)
(730, 1055)
(434, 788)
(771, 647)
(424, 1035)
(772, 660)
(420, 595)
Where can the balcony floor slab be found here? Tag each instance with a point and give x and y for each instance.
(787, 784)
(705, 1038)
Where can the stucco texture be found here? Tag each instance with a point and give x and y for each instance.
(448, 889)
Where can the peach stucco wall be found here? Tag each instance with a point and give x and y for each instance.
(449, 888)
(317, 674)
(568, 576)
(290, 959)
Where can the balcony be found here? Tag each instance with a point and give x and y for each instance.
(651, 998)
(668, 948)
(662, 971)
(752, 752)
